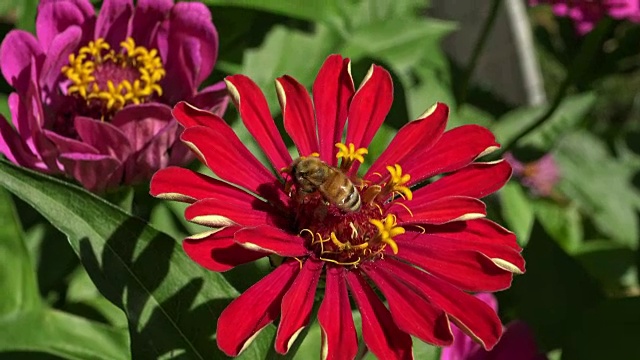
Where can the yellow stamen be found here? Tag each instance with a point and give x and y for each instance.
(397, 182)
(347, 246)
(387, 230)
(82, 67)
(349, 154)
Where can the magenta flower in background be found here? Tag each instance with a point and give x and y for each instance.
(539, 176)
(586, 13)
(517, 342)
(93, 94)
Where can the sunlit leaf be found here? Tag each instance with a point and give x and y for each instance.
(165, 295)
(517, 211)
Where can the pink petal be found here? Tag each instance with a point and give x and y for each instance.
(463, 266)
(225, 209)
(214, 98)
(147, 18)
(255, 115)
(256, 308)
(339, 340)
(379, 331)
(472, 315)
(55, 16)
(219, 148)
(455, 149)
(273, 240)
(154, 155)
(297, 304)
(17, 51)
(332, 93)
(369, 108)
(439, 211)
(217, 251)
(412, 312)
(94, 172)
(64, 145)
(476, 180)
(58, 53)
(416, 136)
(15, 149)
(297, 112)
(114, 21)
(103, 136)
(142, 122)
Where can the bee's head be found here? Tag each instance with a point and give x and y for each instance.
(310, 170)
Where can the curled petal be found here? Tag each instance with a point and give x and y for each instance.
(476, 180)
(425, 132)
(254, 111)
(232, 208)
(18, 51)
(273, 240)
(380, 332)
(297, 113)
(339, 340)
(456, 148)
(192, 186)
(237, 327)
(114, 21)
(369, 108)
(412, 312)
(463, 265)
(439, 211)
(297, 304)
(332, 93)
(217, 251)
(471, 315)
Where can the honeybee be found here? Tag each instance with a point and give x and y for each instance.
(312, 174)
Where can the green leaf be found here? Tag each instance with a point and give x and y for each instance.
(312, 10)
(171, 302)
(17, 278)
(570, 113)
(27, 15)
(58, 333)
(517, 211)
(4, 107)
(563, 223)
(608, 331)
(553, 293)
(600, 185)
(613, 265)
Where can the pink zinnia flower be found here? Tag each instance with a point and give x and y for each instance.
(422, 248)
(93, 94)
(586, 13)
(539, 176)
(517, 342)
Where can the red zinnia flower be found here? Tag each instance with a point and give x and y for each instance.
(422, 249)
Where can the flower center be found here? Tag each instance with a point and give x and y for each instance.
(108, 80)
(338, 234)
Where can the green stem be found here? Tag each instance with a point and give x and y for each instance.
(477, 51)
(579, 67)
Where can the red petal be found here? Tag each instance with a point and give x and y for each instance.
(456, 148)
(297, 304)
(332, 94)
(179, 184)
(440, 211)
(226, 210)
(471, 315)
(297, 113)
(481, 232)
(256, 308)
(497, 247)
(379, 331)
(369, 108)
(339, 340)
(476, 180)
(411, 311)
(217, 251)
(220, 149)
(466, 268)
(190, 116)
(420, 134)
(255, 115)
(271, 239)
